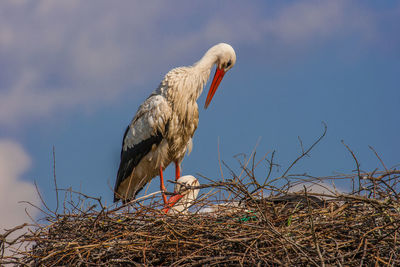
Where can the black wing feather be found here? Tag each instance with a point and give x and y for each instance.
(131, 157)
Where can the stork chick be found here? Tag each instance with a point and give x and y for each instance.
(185, 194)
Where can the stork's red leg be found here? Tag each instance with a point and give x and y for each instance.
(177, 171)
(162, 187)
(175, 198)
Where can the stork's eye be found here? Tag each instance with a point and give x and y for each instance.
(229, 63)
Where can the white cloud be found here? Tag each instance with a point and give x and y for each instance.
(304, 20)
(308, 21)
(58, 55)
(14, 161)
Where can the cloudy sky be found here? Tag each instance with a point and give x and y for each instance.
(74, 72)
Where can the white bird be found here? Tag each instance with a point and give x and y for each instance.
(161, 131)
(186, 194)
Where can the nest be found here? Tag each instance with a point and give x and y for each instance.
(252, 224)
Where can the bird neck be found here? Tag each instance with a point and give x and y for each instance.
(187, 90)
(207, 61)
(203, 68)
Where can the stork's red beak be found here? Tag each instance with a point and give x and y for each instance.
(219, 74)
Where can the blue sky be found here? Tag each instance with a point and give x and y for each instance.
(74, 72)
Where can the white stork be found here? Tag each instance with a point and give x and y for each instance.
(161, 131)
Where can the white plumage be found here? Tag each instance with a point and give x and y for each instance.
(186, 188)
(161, 131)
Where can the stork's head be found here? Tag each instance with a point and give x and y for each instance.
(225, 60)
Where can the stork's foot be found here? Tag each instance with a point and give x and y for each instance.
(172, 201)
(176, 197)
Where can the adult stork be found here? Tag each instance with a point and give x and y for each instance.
(161, 131)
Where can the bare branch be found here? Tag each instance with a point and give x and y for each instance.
(308, 150)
